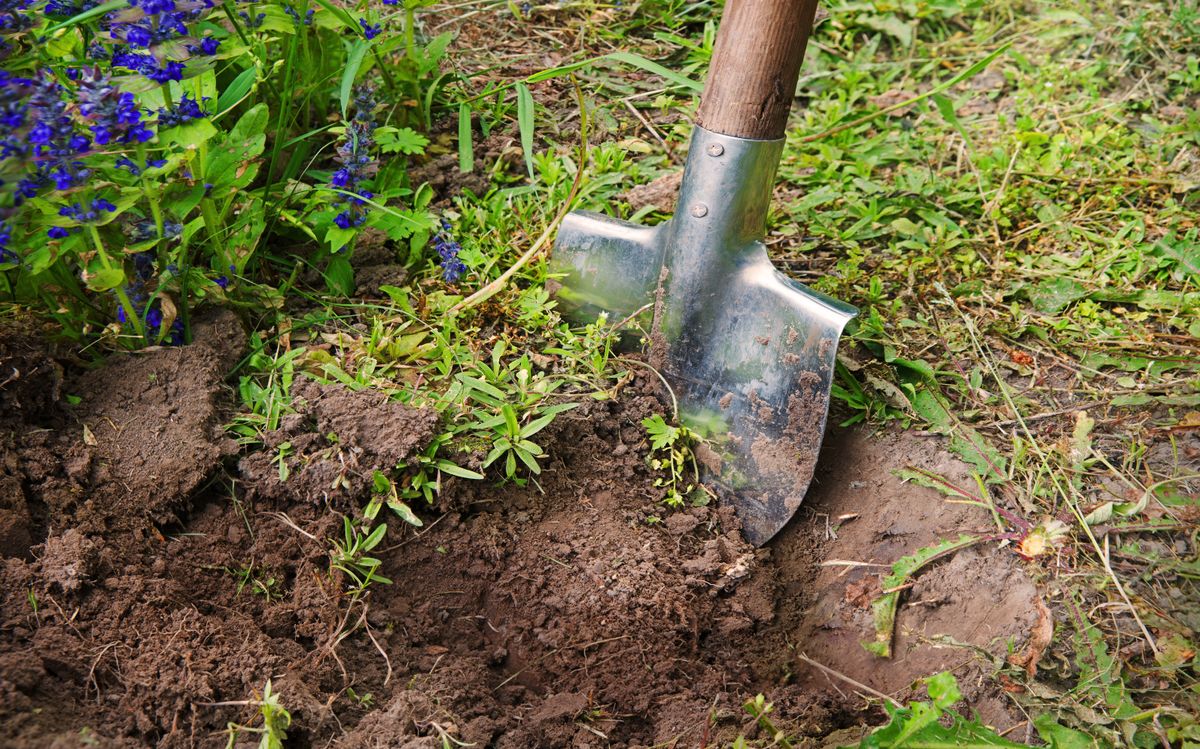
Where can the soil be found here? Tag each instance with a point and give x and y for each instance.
(153, 578)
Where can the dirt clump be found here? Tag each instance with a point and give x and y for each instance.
(145, 434)
(329, 449)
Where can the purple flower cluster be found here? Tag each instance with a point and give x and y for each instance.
(356, 162)
(370, 30)
(186, 110)
(36, 127)
(141, 29)
(448, 249)
(113, 115)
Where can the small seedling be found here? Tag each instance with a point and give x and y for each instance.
(266, 586)
(349, 556)
(276, 720)
(281, 455)
(672, 453)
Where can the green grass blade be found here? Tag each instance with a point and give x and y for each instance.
(649, 66)
(89, 14)
(353, 63)
(525, 123)
(466, 149)
(234, 92)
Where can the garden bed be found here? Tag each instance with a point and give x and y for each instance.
(154, 582)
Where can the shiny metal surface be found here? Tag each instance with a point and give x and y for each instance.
(749, 352)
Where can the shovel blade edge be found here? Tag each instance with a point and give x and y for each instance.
(753, 368)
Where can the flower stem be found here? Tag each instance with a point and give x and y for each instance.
(131, 314)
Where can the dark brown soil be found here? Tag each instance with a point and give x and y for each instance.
(151, 584)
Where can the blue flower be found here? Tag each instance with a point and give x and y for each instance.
(370, 30)
(448, 249)
(185, 111)
(357, 163)
(222, 281)
(57, 232)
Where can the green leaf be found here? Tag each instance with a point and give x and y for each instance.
(380, 482)
(1185, 253)
(1055, 294)
(892, 25)
(373, 540)
(525, 124)
(466, 149)
(353, 63)
(403, 140)
(481, 386)
(496, 452)
(652, 67)
(453, 469)
(237, 88)
(528, 459)
(405, 512)
(105, 279)
(340, 276)
(1058, 736)
(884, 608)
(510, 419)
(945, 107)
(340, 13)
(193, 133)
(537, 425)
(89, 14)
(943, 689)
(965, 442)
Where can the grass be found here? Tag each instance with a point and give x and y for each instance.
(1007, 190)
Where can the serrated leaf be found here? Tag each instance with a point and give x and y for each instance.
(404, 140)
(943, 689)
(883, 609)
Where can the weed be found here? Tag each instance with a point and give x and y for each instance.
(260, 582)
(349, 555)
(275, 722)
(672, 453)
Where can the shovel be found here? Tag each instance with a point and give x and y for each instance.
(748, 353)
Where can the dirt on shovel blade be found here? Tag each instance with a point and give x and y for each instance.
(152, 581)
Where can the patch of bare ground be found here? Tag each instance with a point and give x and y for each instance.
(158, 601)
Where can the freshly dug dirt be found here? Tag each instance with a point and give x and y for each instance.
(573, 611)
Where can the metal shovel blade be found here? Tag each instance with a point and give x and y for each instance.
(749, 354)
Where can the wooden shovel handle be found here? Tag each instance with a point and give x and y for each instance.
(755, 64)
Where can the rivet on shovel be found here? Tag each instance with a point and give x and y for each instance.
(748, 353)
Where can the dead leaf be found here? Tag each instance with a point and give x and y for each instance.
(1039, 639)
(1020, 357)
(861, 592)
(88, 437)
